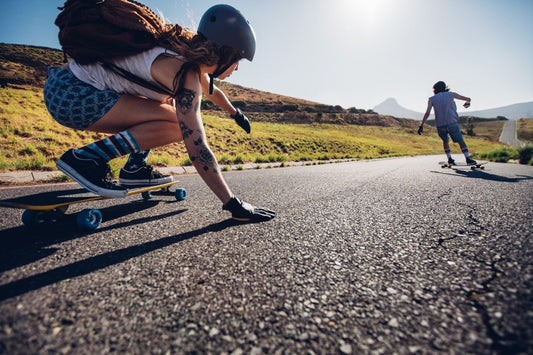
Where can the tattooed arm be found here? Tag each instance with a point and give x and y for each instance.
(187, 104)
(192, 129)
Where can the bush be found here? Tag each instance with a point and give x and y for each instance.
(526, 155)
(239, 104)
(499, 155)
(289, 107)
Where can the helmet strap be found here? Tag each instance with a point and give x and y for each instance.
(216, 74)
(211, 79)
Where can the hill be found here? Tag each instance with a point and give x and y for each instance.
(513, 112)
(393, 108)
(283, 128)
(26, 65)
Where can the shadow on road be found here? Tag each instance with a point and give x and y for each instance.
(24, 245)
(66, 229)
(98, 262)
(481, 174)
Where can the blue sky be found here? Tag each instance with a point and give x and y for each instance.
(354, 53)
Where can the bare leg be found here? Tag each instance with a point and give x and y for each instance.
(153, 124)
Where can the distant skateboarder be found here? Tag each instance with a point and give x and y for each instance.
(446, 119)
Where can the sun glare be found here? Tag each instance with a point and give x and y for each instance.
(366, 12)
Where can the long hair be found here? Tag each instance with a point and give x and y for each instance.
(440, 86)
(196, 50)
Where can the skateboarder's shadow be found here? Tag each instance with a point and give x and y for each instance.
(66, 228)
(94, 263)
(483, 174)
(24, 245)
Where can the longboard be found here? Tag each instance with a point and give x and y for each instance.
(479, 165)
(49, 207)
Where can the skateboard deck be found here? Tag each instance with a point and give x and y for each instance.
(49, 207)
(459, 165)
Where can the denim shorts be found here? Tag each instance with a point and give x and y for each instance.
(74, 103)
(453, 130)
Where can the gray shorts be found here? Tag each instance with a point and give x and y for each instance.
(74, 103)
(453, 130)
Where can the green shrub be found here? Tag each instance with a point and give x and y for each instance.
(526, 155)
(499, 155)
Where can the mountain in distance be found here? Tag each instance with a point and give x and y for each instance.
(392, 108)
(522, 110)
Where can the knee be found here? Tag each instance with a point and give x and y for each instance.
(172, 131)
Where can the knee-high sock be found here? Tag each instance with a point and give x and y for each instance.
(111, 147)
(137, 160)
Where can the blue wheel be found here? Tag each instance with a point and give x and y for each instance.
(89, 219)
(146, 195)
(180, 194)
(30, 218)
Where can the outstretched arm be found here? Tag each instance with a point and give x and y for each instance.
(461, 97)
(426, 115)
(187, 104)
(192, 129)
(428, 111)
(221, 100)
(188, 110)
(218, 97)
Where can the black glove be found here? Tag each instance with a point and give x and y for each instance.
(420, 130)
(242, 120)
(244, 212)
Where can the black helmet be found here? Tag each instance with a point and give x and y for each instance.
(226, 26)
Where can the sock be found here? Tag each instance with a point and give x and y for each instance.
(465, 152)
(137, 160)
(109, 148)
(448, 153)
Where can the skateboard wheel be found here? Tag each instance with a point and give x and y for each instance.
(31, 218)
(89, 219)
(146, 195)
(482, 167)
(180, 194)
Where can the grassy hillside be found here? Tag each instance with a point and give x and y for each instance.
(283, 128)
(525, 130)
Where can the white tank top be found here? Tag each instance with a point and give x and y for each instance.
(138, 64)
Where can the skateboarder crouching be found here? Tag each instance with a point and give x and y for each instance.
(446, 119)
(91, 97)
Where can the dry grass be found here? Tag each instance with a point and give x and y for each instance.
(283, 128)
(31, 139)
(525, 130)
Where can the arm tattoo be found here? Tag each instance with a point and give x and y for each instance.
(204, 156)
(185, 100)
(186, 132)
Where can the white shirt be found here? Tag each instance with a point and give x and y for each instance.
(138, 64)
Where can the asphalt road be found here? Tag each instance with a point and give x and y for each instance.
(508, 135)
(389, 256)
